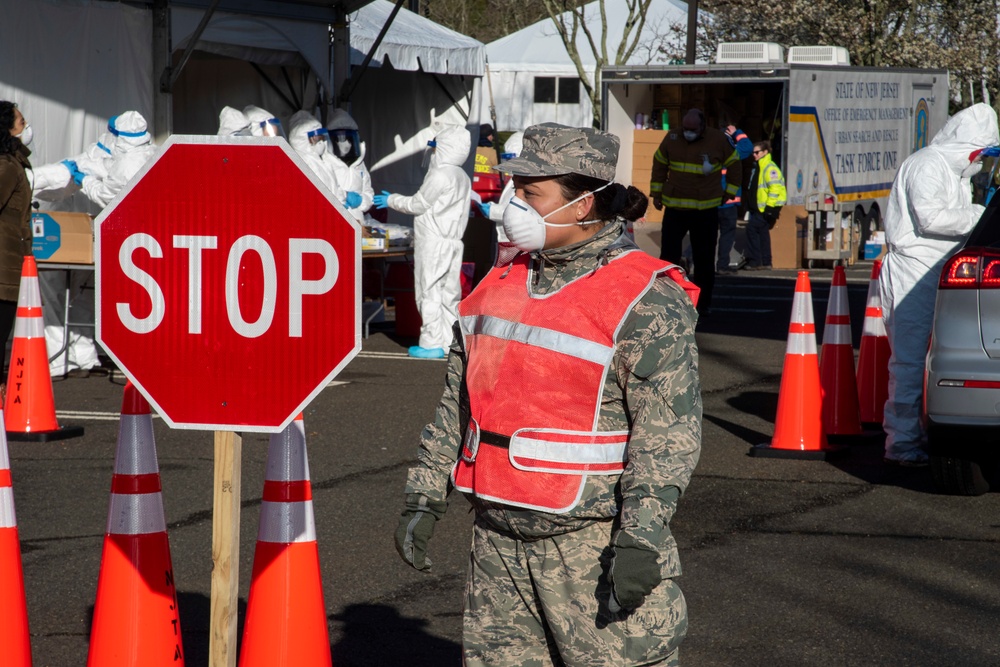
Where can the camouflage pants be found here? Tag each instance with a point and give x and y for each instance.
(544, 604)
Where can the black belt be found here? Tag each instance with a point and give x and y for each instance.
(494, 439)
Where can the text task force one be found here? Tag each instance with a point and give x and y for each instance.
(197, 246)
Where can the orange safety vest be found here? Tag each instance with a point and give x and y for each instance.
(535, 373)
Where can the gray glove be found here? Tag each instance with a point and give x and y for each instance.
(416, 526)
(633, 573)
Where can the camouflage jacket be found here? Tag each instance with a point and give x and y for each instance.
(651, 389)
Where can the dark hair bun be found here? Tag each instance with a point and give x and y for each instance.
(636, 203)
(619, 197)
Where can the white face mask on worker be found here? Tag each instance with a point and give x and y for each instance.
(525, 227)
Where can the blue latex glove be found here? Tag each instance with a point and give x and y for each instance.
(382, 200)
(484, 207)
(353, 200)
(74, 171)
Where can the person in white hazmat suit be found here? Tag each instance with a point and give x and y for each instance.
(56, 182)
(929, 216)
(233, 122)
(441, 207)
(61, 180)
(133, 148)
(310, 140)
(348, 161)
(100, 179)
(511, 149)
(262, 122)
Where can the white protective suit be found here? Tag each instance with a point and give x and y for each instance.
(53, 182)
(441, 207)
(256, 116)
(352, 177)
(511, 148)
(929, 216)
(132, 149)
(233, 122)
(317, 155)
(80, 352)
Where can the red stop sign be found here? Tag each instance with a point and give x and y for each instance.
(228, 283)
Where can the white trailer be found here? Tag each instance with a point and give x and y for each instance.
(839, 133)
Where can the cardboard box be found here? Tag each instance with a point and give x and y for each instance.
(788, 237)
(651, 137)
(63, 238)
(874, 250)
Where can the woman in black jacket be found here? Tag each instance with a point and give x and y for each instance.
(15, 211)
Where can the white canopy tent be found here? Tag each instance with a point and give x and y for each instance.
(534, 79)
(421, 76)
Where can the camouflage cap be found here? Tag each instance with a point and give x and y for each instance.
(551, 149)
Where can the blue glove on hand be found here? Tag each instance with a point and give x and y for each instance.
(74, 172)
(382, 200)
(353, 200)
(484, 208)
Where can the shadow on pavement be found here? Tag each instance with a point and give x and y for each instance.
(864, 461)
(376, 634)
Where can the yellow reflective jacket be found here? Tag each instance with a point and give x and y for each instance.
(689, 174)
(770, 184)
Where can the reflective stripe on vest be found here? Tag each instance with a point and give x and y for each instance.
(536, 370)
(568, 451)
(539, 337)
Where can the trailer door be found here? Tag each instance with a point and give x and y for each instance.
(921, 126)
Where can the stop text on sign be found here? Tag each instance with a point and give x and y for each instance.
(197, 247)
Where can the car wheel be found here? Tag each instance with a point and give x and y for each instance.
(958, 477)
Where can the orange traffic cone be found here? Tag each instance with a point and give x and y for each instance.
(836, 364)
(135, 618)
(873, 358)
(798, 427)
(30, 408)
(14, 626)
(286, 618)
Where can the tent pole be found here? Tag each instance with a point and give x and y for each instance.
(493, 107)
(170, 74)
(163, 100)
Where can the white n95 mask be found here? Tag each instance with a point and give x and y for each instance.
(27, 134)
(525, 227)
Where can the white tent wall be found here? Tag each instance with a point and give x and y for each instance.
(513, 94)
(210, 82)
(70, 66)
(517, 59)
(220, 72)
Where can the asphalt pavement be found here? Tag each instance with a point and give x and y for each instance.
(785, 562)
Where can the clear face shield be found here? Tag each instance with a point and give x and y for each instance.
(271, 128)
(428, 154)
(987, 177)
(319, 141)
(346, 144)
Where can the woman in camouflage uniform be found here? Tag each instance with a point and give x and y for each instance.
(571, 419)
